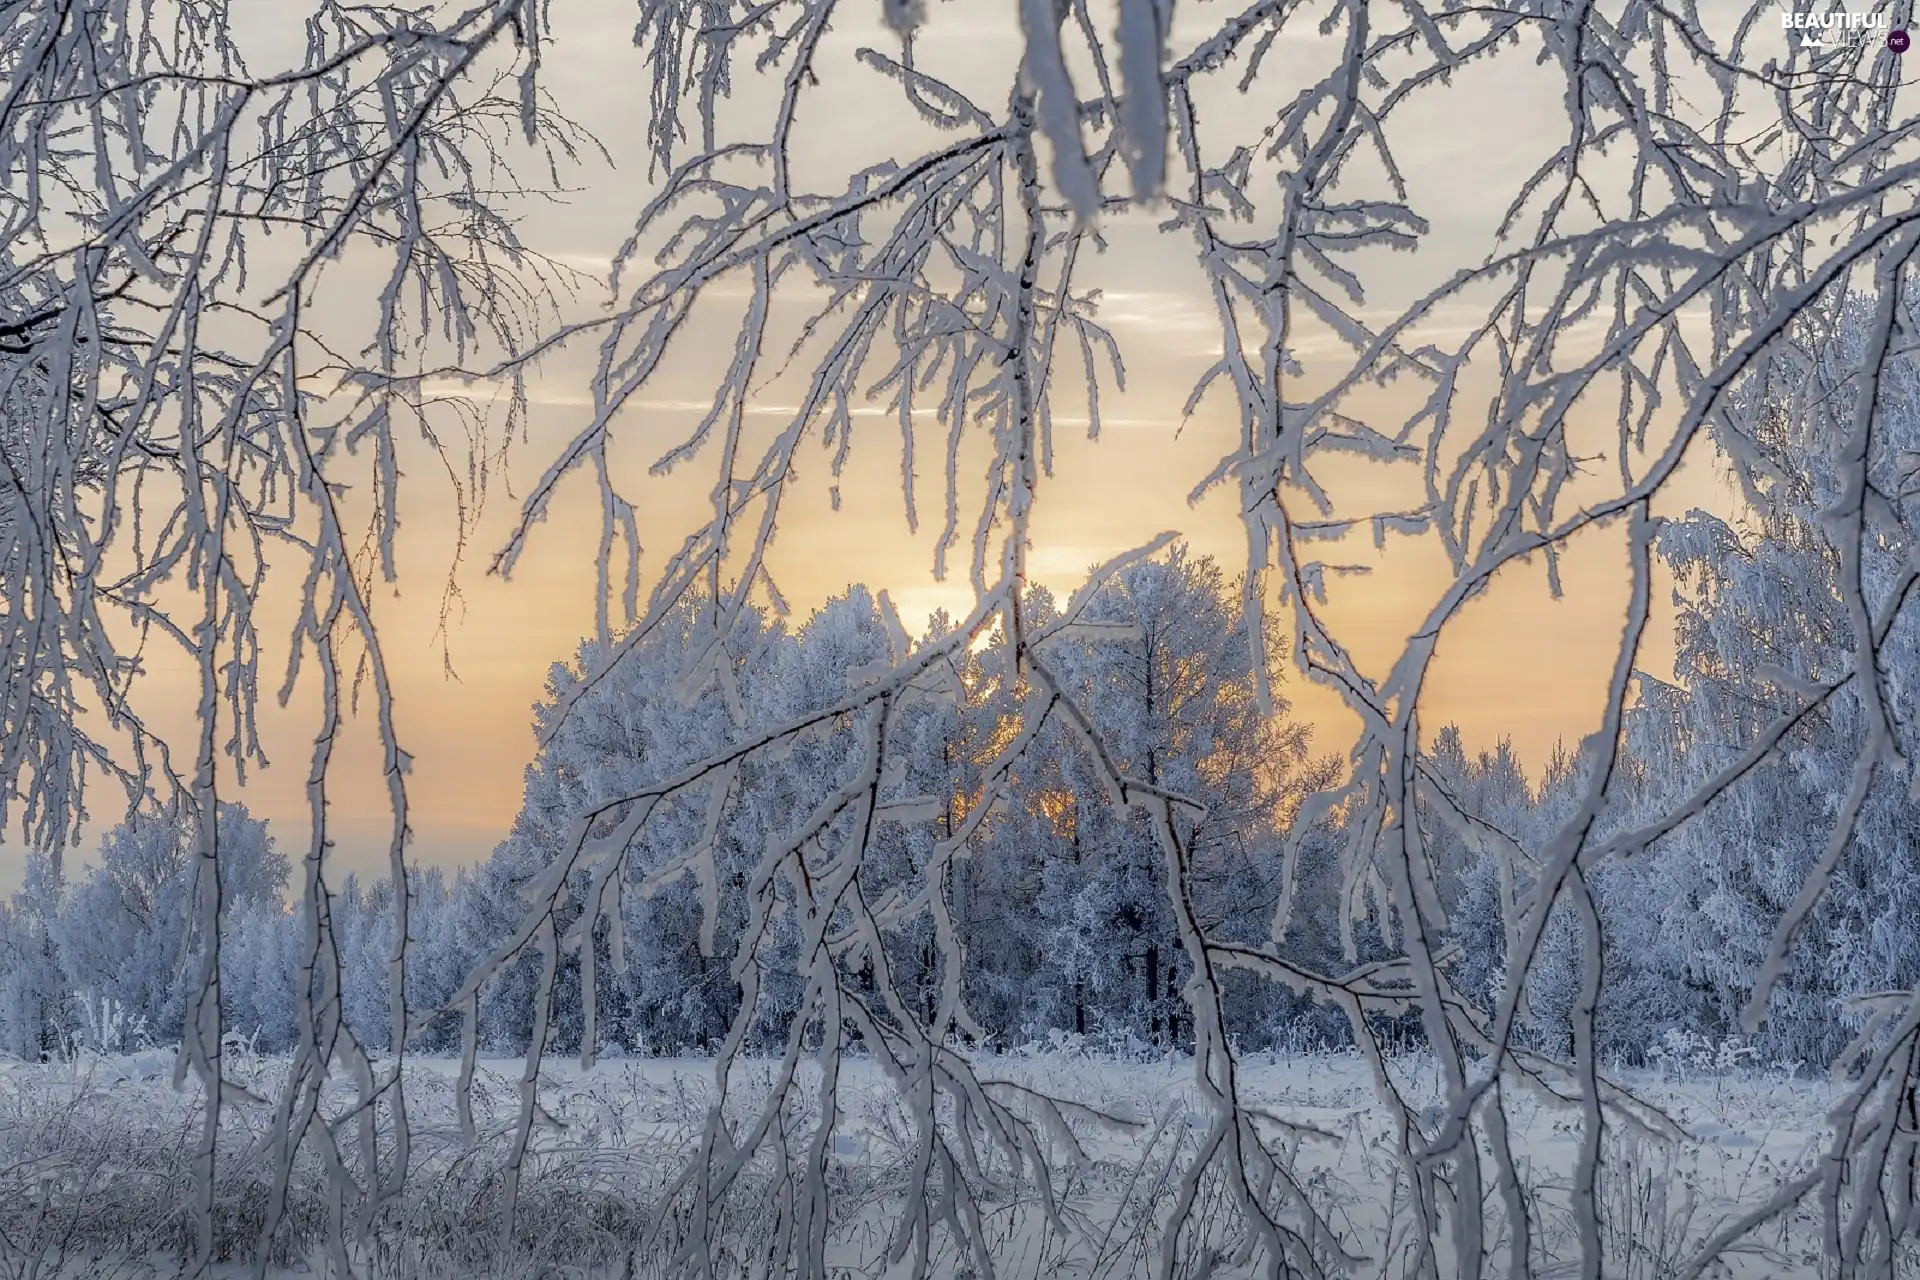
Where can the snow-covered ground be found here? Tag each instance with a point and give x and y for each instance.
(95, 1168)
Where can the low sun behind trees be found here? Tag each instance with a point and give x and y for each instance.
(1059, 904)
(1059, 901)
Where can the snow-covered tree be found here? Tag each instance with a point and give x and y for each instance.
(1059, 906)
(123, 931)
(1766, 614)
(35, 1004)
(164, 451)
(183, 208)
(1160, 660)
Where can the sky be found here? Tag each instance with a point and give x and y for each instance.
(1516, 664)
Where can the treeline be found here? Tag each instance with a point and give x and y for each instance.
(1059, 899)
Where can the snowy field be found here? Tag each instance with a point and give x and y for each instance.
(95, 1177)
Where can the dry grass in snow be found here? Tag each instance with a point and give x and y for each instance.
(95, 1177)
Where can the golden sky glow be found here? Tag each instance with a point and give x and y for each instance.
(1516, 663)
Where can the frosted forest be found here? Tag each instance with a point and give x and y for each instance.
(1176, 911)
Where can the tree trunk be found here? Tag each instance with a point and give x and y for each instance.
(1153, 992)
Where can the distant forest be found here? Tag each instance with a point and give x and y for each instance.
(1059, 898)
